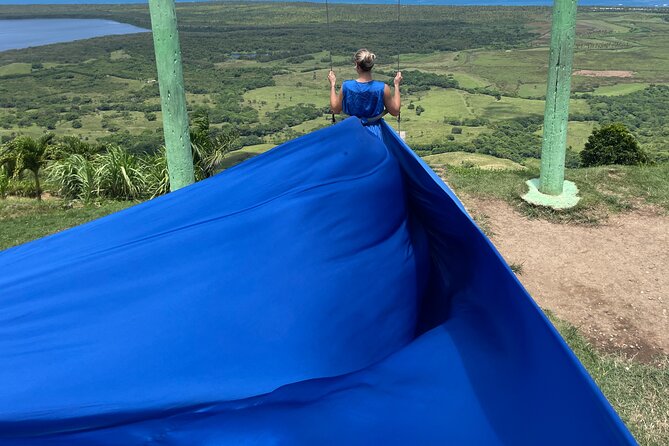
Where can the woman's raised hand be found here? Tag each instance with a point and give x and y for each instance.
(332, 78)
(398, 78)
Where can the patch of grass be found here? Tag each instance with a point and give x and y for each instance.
(532, 90)
(639, 392)
(258, 148)
(468, 80)
(265, 99)
(24, 219)
(313, 124)
(517, 268)
(501, 184)
(620, 89)
(483, 222)
(603, 190)
(629, 185)
(119, 55)
(578, 133)
(15, 68)
(509, 69)
(464, 159)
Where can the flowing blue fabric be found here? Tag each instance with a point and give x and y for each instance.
(332, 291)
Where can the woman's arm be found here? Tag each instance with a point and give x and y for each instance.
(335, 99)
(393, 102)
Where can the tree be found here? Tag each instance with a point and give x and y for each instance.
(612, 144)
(26, 153)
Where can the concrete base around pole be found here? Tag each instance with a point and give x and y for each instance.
(567, 199)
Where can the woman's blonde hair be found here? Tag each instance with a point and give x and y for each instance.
(364, 59)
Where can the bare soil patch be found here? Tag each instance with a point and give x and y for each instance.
(611, 280)
(593, 73)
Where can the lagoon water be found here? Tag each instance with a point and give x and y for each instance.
(15, 34)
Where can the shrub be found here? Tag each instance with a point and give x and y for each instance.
(26, 153)
(456, 130)
(21, 187)
(120, 174)
(612, 144)
(157, 177)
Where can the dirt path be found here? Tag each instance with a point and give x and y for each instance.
(612, 281)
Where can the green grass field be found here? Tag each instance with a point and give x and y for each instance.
(464, 159)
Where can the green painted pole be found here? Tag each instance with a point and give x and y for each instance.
(556, 114)
(172, 93)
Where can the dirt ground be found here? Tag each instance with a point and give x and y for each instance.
(592, 73)
(612, 281)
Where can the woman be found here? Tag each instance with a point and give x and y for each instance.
(364, 97)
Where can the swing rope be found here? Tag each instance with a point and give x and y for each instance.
(399, 113)
(327, 18)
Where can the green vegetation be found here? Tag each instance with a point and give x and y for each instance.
(464, 159)
(24, 153)
(612, 144)
(645, 112)
(619, 89)
(25, 219)
(259, 69)
(80, 171)
(604, 190)
(76, 169)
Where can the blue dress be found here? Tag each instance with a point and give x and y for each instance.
(364, 100)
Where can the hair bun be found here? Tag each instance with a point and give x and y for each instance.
(364, 59)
